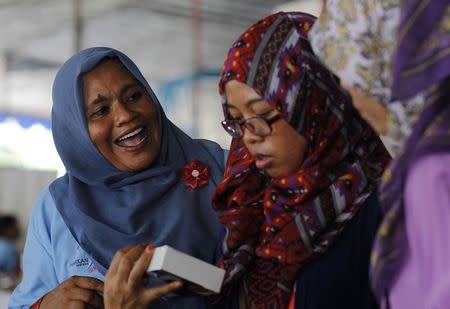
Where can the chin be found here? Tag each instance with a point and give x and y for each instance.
(272, 173)
(277, 173)
(139, 165)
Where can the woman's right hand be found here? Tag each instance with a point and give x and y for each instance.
(75, 292)
(124, 282)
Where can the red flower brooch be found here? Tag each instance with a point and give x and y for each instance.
(195, 174)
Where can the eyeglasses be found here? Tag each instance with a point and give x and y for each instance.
(258, 125)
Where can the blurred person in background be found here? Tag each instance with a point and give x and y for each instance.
(357, 40)
(297, 198)
(133, 178)
(408, 42)
(9, 253)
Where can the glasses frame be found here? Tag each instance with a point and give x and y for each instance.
(226, 124)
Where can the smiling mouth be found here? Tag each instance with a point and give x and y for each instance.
(133, 138)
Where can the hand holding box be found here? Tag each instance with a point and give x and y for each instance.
(170, 264)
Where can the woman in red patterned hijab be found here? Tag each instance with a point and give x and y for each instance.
(302, 162)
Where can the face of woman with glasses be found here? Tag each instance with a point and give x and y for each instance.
(277, 148)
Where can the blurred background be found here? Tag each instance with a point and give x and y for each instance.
(179, 45)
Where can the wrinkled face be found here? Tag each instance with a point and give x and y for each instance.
(123, 121)
(282, 151)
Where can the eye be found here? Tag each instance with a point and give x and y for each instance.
(135, 96)
(261, 109)
(99, 112)
(266, 114)
(237, 118)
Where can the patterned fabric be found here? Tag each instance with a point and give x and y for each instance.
(356, 39)
(275, 226)
(423, 55)
(424, 27)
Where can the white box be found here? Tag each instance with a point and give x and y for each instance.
(168, 262)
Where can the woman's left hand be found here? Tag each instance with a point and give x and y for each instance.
(124, 282)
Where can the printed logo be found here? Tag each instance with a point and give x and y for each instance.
(83, 261)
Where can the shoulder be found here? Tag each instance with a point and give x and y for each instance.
(214, 149)
(44, 214)
(429, 181)
(210, 145)
(44, 206)
(431, 167)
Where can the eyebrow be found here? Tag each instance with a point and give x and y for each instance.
(130, 85)
(248, 103)
(97, 100)
(100, 98)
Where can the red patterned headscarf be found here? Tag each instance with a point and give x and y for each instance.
(275, 226)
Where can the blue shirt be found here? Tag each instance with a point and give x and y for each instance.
(52, 255)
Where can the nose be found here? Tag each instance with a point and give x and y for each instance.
(250, 138)
(123, 114)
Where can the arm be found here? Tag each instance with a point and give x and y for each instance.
(427, 214)
(39, 275)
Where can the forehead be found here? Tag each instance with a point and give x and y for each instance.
(238, 93)
(242, 97)
(106, 72)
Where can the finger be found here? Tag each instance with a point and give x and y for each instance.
(140, 267)
(88, 283)
(117, 257)
(154, 293)
(97, 305)
(95, 301)
(75, 305)
(128, 260)
(85, 296)
(135, 252)
(94, 307)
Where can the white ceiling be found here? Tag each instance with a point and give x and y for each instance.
(156, 34)
(37, 36)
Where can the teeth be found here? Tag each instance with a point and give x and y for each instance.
(137, 131)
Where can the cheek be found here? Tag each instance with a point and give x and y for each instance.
(293, 146)
(149, 112)
(94, 133)
(98, 133)
(155, 128)
(156, 143)
(299, 156)
(155, 131)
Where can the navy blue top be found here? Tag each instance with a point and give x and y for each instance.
(340, 277)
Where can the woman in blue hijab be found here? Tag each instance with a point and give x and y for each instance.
(132, 178)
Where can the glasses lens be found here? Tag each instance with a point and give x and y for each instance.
(232, 128)
(257, 126)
